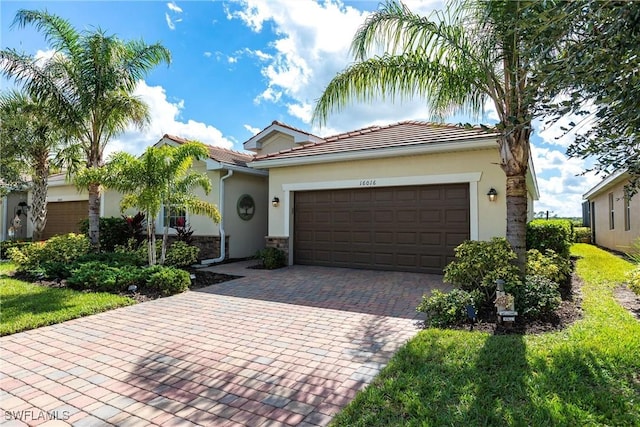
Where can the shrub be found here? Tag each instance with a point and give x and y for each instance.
(634, 280)
(101, 276)
(582, 234)
(8, 244)
(169, 281)
(550, 265)
(94, 275)
(446, 309)
(184, 234)
(115, 259)
(272, 258)
(181, 254)
(50, 259)
(556, 234)
(138, 254)
(478, 265)
(136, 228)
(536, 297)
(113, 232)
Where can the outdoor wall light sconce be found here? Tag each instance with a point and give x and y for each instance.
(275, 202)
(492, 194)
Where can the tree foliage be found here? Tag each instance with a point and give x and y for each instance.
(33, 144)
(87, 84)
(593, 71)
(161, 177)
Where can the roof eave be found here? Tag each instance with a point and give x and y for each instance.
(373, 153)
(213, 165)
(607, 182)
(255, 142)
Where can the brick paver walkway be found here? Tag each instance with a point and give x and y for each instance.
(288, 347)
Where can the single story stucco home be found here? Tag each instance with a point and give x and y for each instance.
(396, 197)
(613, 217)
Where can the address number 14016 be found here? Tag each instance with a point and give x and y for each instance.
(367, 182)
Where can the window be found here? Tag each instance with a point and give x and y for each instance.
(627, 213)
(612, 224)
(174, 217)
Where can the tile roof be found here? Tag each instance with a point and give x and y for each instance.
(219, 154)
(401, 134)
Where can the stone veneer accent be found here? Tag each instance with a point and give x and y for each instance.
(281, 243)
(209, 245)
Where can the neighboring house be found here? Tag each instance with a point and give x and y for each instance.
(397, 197)
(614, 218)
(239, 191)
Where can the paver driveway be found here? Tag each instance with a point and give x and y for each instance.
(285, 347)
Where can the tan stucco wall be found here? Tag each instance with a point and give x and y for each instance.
(618, 238)
(491, 215)
(246, 237)
(276, 143)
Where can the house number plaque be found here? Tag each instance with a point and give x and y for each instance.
(367, 182)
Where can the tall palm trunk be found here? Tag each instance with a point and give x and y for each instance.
(514, 151)
(94, 215)
(39, 201)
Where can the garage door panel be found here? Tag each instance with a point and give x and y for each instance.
(383, 237)
(433, 238)
(361, 237)
(394, 228)
(456, 215)
(407, 238)
(382, 195)
(342, 217)
(410, 216)
(65, 217)
(383, 216)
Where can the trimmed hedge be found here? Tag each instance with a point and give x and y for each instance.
(554, 234)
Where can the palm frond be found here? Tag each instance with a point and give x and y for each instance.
(402, 77)
(58, 32)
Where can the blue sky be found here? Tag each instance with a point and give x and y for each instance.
(240, 64)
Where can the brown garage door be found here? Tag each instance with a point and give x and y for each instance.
(388, 228)
(64, 217)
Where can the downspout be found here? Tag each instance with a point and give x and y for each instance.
(221, 225)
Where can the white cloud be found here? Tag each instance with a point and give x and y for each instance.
(207, 54)
(252, 129)
(308, 53)
(232, 59)
(174, 7)
(561, 181)
(165, 120)
(170, 23)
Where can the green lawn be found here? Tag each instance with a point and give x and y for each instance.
(25, 305)
(588, 374)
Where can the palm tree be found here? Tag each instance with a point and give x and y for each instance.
(88, 85)
(472, 52)
(161, 177)
(33, 138)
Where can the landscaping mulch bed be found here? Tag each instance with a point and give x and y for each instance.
(569, 311)
(203, 279)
